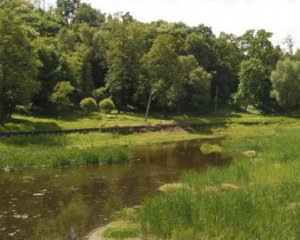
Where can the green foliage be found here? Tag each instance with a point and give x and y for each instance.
(254, 87)
(161, 66)
(107, 105)
(125, 51)
(52, 69)
(61, 96)
(191, 91)
(18, 64)
(86, 14)
(286, 83)
(100, 93)
(89, 105)
(137, 63)
(67, 8)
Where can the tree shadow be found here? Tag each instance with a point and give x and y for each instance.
(19, 125)
(27, 125)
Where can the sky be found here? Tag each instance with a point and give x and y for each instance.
(231, 16)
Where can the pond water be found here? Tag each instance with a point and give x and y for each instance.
(69, 203)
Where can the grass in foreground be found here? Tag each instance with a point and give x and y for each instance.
(254, 198)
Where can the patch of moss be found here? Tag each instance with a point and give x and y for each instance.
(120, 233)
(210, 148)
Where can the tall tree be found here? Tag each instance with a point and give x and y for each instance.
(125, 49)
(226, 66)
(191, 90)
(161, 67)
(253, 87)
(86, 14)
(286, 84)
(257, 45)
(53, 69)
(67, 9)
(17, 64)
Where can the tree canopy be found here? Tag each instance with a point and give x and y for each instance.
(170, 67)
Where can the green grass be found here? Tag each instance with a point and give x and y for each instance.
(263, 204)
(60, 157)
(82, 120)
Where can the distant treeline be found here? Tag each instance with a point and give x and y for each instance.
(52, 59)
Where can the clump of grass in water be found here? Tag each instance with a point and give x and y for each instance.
(210, 148)
(61, 157)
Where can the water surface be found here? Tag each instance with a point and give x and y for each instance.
(69, 203)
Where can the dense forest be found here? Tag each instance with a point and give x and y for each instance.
(52, 59)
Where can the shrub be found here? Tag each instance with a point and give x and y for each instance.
(89, 105)
(61, 96)
(107, 105)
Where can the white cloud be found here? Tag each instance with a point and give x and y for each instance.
(232, 16)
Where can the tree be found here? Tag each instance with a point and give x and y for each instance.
(89, 105)
(253, 88)
(257, 45)
(67, 9)
(286, 84)
(86, 14)
(61, 96)
(226, 66)
(106, 106)
(191, 90)
(18, 64)
(52, 69)
(161, 70)
(289, 42)
(198, 46)
(125, 50)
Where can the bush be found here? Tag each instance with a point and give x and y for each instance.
(61, 96)
(106, 106)
(89, 105)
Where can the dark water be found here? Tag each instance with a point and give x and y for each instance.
(69, 203)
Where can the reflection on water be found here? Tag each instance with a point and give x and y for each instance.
(68, 203)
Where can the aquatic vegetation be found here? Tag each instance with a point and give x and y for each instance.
(210, 148)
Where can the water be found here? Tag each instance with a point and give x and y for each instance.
(69, 203)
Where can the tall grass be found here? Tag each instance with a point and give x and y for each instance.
(61, 157)
(265, 203)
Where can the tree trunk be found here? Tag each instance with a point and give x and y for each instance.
(148, 106)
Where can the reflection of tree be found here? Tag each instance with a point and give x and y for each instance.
(71, 223)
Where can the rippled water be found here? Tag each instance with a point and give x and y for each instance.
(69, 203)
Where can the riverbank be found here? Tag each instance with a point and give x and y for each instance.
(255, 197)
(19, 152)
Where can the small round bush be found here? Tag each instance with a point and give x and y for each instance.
(107, 105)
(89, 105)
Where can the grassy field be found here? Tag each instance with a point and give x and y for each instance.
(81, 120)
(256, 197)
